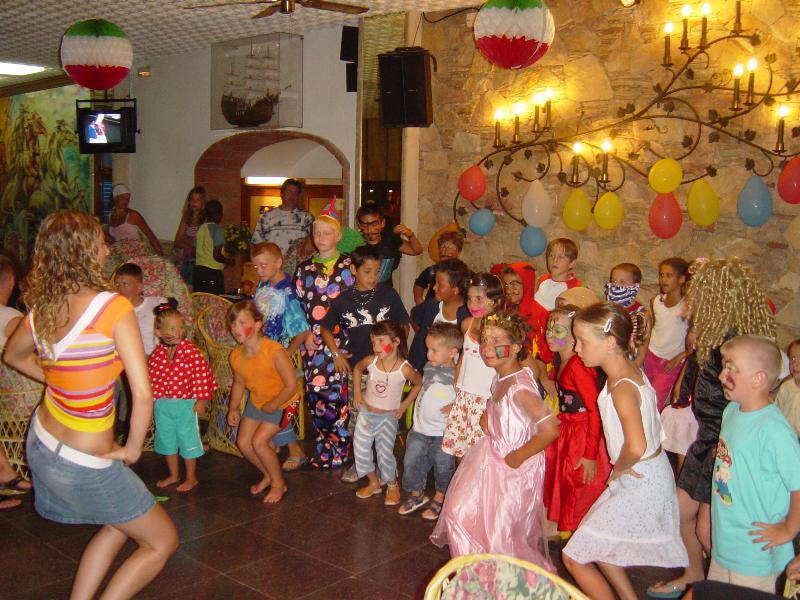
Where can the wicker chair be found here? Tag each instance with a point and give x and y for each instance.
(495, 575)
(19, 396)
(200, 301)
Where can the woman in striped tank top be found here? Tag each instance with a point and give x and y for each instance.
(78, 338)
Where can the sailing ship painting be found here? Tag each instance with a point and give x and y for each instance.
(252, 88)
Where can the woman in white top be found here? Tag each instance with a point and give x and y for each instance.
(635, 521)
(125, 223)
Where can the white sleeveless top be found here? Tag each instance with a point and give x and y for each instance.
(440, 318)
(384, 390)
(474, 377)
(669, 331)
(612, 427)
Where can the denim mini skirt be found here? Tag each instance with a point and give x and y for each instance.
(68, 491)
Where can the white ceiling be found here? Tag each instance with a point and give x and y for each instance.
(31, 30)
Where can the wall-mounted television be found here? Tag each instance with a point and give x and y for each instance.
(106, 126)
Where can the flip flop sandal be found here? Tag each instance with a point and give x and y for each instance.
(11, 488)
(294, 463)
(435, 507)
(672, 592)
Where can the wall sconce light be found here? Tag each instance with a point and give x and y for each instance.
(144, 72)
(686, 11)
(629, 3)
(752, 65)
(577, 148)
(499, 115)
(705, 10)
(783, 112)
(738, 71)
(737, 22)
(606, 147)
(539, 100)
(549, 94)
(517, 108)
(668, 29)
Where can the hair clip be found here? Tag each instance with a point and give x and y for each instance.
(607, 326)
(170, 304)
(571, 314)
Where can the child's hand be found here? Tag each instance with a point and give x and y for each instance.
(357, 400)
(617, 474)
(200, 407)
(513, 459)
(124, 453)
(589, 469)
(341, 365)
(310, 342)
(445, 410)
(775, 534)
(233, 418)
(674, 362)
(399, 414)
(484, 423)
(549, 387)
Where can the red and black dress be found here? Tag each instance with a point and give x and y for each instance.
(566, 496)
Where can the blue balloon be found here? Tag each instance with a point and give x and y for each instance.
(755, 202)
(481, 222)
(532, 241)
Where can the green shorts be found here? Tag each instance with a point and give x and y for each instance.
(177, 430)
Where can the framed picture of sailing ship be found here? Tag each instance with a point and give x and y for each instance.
(257, 82)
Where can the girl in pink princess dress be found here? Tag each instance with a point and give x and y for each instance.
(494, 503)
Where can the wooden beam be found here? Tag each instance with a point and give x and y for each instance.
(36, 85)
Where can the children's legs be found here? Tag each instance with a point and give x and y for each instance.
(244, 441)
(444, 467)
(689, 509)
(363, 438)
(191, 475)
(157, 538)
(385, 436)
(416, 462)
(703, 528)
(619, 580)
(269, 459)
(174, 473)
(589, 579)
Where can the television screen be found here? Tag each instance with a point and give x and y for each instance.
(107, 130)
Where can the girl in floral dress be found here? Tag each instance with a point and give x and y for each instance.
(318, 281)
(473, 377)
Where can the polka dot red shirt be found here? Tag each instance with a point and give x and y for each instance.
(188, 376)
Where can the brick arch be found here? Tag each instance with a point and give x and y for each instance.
(219, 168)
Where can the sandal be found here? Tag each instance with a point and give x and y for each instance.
(413, 503)
(670, 591)
(12, 487)
(294, 463)
(433, 511)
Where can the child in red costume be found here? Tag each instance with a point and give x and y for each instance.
(577, 464)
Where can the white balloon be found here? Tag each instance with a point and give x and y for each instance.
(537, 205)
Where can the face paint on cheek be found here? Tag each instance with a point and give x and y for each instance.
(478, 311)
(560, 343)
(247, 330)
(387, 348)
(503, 351)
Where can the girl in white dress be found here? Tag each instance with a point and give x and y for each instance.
(635, 521)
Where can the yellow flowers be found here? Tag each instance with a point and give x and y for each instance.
(237, 239)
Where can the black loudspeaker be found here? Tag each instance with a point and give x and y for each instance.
(349, 49)
(405, 87)
(351, 71)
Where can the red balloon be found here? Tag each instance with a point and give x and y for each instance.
(789, 182)
(472, 183)
(665, 216)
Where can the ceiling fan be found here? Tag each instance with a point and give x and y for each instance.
(288, 6)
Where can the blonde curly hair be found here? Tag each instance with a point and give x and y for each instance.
(722, 296)
(65, 259)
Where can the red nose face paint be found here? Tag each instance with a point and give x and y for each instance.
(502, 351)
(248, 330)
(387, 347)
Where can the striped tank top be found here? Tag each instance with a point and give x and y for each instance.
(80, 369)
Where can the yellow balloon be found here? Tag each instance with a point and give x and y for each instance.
(577, 210)
(703, 203)
(608, 211)
(665, 176)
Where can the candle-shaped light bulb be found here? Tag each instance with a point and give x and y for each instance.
(668, 29)
(606, 147)
(685, 12)
(705, 10)
(517, 108)
(577, 148)
(783, 112)
(752, 65)
(538, 102)
(738, 71)
(499, 115)
(549, 94)
(737, 21)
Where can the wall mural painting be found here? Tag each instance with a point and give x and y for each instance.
(41, 169)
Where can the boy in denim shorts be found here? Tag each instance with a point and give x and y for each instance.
(424, 443)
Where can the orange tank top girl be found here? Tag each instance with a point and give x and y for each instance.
(259, 372)
(81, 368)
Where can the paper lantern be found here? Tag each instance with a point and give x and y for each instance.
(472, 183)
(532, 241)
(755, 202)
(665, 176)
(96, 54)
(514, 34)
(665, 216)
(481, 222)
(789, 181)
(577, 210)
(537, 205)
(703, 204)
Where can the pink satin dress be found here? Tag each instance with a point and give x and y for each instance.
(489, 506)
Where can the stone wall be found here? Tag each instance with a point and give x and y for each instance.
(603, 57)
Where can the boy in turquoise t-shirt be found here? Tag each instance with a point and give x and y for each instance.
(755, 498)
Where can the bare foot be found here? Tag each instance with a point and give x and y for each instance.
(10, 504)
(275, 495)
(664, 587)
(162, 483)
(259, 487)
(187, 485)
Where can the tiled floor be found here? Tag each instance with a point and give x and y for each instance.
(320, 542)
